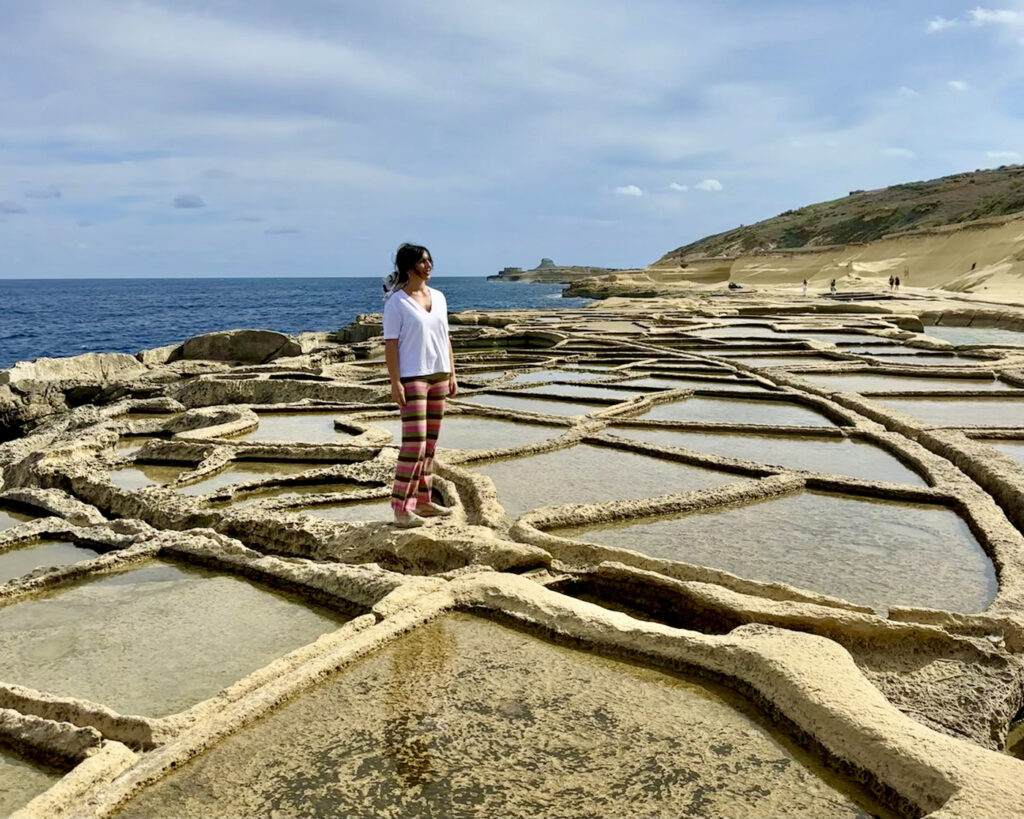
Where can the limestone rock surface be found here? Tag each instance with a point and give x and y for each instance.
(244, 346)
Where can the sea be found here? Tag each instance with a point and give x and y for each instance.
(63, 317)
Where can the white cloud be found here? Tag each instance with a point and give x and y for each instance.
(1006, 17)
(907, 91)
(937, 24)
(11, 207)
(173, 43)
(281, 111)
(709, 185)
(956, 85)
(904, 153)
(1009, 156)
(189, 200)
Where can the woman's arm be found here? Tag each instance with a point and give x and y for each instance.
(391, 359)
(453, 384)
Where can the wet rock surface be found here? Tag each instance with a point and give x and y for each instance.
(843, 650)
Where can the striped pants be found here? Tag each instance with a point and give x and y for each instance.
(421, 422)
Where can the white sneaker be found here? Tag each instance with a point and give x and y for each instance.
(433, 510)
(408, 520)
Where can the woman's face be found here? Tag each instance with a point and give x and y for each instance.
(424, 266)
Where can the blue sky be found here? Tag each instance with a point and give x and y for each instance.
(251, 137)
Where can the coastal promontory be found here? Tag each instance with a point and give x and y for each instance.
(960, 233)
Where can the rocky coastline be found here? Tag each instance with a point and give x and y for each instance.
(884, 660)
(981, 259)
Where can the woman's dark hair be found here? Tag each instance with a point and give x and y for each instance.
(406, 258)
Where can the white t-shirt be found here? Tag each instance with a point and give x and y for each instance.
(422, 336)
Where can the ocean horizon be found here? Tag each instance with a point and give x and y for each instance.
(64, 317)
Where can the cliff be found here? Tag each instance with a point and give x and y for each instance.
(867, 216)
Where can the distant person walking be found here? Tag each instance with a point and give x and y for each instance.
(421, 367)
(897, 282)
(892, 282)
(832, 286)
(805, 287)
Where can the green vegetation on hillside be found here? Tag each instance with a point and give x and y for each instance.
(867, 215)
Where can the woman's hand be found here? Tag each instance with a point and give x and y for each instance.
(453, 386)
(398, 393)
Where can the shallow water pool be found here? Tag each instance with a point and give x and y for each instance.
(22, 560)
(912, 360)
(736, 411)
(518, 404)
(841, 456)
(140, 475)
(1012, 449)
(873, 552)
(994, 336)
(763, 362)
(695, 384)
(871, 382)
(982, 412)
(300, 427)
(555, 375)
(591, 474)
(22, 780)
(153, 640)
(12, 517)
(466, 718)
(582, 391)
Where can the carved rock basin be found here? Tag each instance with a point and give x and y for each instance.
(465, 717)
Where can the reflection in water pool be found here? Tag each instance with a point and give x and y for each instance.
(12, 517)
(870, 382)
(21, 781)
(736, 411)
(140, 475)
(589, 474)
(555, 375)
(130, 444)
(534, 405)
(956, 412)
(876, 553)
(153, 640)
(1012, 449)
(301, 427)
(833, 455)
(978, 335)
(582, 391)
(922, 360)
(18, 562)
(695, 384)
(466, 718)
(764, 361)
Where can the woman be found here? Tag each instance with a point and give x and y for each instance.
(421, 366)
